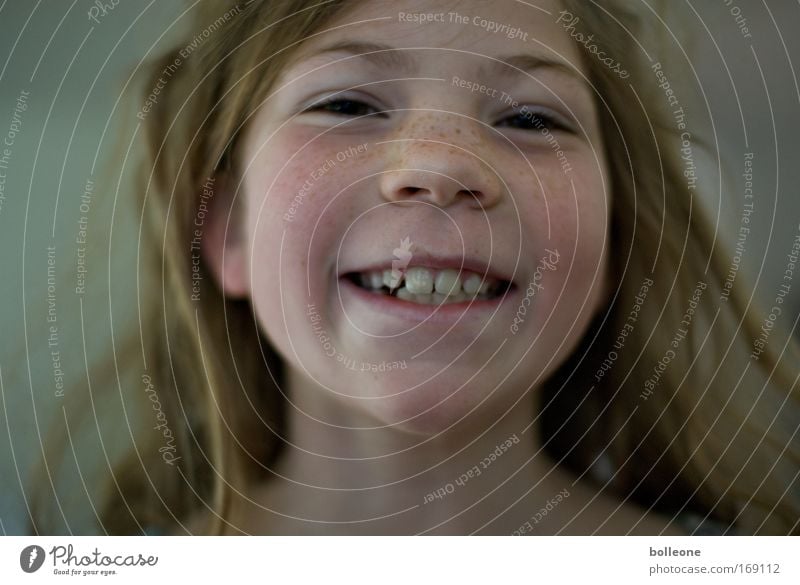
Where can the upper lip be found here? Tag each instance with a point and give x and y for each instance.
(426, 260)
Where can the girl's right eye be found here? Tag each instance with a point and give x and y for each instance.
(343, 107)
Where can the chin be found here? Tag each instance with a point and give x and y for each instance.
(433, 408)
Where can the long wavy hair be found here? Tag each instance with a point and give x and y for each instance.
(684, 426)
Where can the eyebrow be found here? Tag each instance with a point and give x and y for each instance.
(376, 53)
(386, 56)
(514, 65)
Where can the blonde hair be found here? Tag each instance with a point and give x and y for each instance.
(225, 405)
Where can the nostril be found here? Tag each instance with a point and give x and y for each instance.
(411, 190)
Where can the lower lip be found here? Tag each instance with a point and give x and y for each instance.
(416, 312)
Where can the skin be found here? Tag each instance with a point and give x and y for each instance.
(451, 172)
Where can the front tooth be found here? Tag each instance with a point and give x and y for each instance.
(448, 282)
(472, 284)
(419, 281)
(389, 281)
(404, 295)
(375, 280)
(424, 299)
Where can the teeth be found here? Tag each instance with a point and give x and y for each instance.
(448, 282)
(428, 298)
(375, 280)
(404, 295)
(429, 287)
(419, 281)
(389, 281)
(472, 284)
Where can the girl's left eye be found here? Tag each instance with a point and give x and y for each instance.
(343, 107)
(532, 120)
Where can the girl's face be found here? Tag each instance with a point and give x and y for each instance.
(426, 146)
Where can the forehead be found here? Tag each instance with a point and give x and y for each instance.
(460, 30)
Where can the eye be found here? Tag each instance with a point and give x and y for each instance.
(528, 119)
(344, 107)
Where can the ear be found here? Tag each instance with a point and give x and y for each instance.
(223, 245)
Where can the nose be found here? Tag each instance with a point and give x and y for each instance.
(440, 173)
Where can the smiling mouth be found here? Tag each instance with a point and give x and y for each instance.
(426, 286)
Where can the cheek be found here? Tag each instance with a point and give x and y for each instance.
(579, 227)
(570, 212)
(571, 221)
(569, 240)
(295, 221)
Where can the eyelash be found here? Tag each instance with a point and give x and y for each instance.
(545, 121)
(339, 101)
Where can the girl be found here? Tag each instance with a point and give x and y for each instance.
(436, 267)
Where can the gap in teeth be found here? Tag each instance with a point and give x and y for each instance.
(430, 287)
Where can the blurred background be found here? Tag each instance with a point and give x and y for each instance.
(68, 109)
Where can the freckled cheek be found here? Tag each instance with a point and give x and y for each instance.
(551, 206)
(285, 279)
(575, 226)
(298, 232)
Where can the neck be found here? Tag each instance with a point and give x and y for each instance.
(353, 474)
